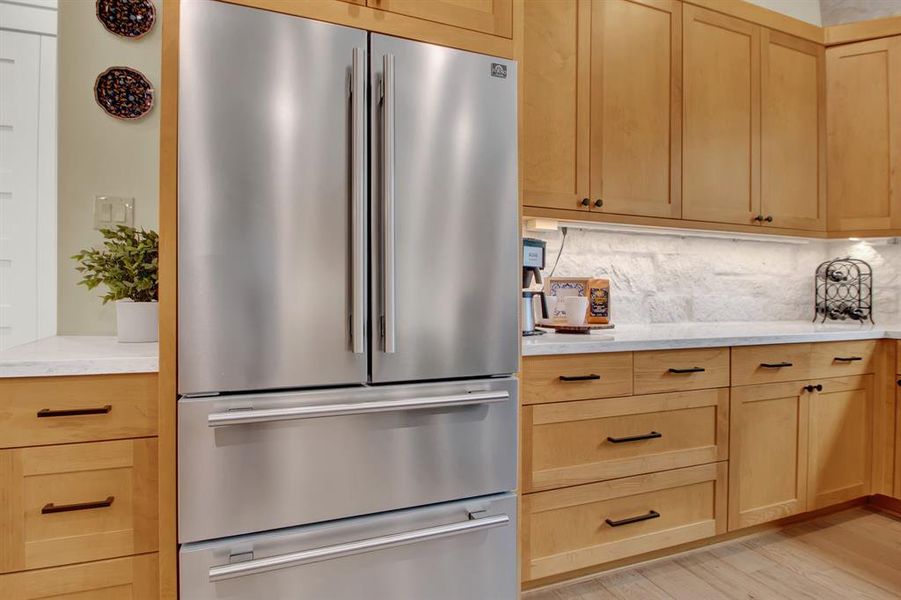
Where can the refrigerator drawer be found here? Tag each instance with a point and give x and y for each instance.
(256, 462)
(464, 549)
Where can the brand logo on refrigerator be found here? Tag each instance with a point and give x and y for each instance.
(499, 70)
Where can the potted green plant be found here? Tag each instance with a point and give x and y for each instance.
(126, 265)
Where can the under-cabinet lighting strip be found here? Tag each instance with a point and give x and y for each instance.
(554, 224)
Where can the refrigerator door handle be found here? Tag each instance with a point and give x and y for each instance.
(248, 416)
(388, 274)
(305, 557)
(358, 200)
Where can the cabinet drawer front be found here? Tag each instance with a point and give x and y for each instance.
(37, 411)
(588, 525)
(576, 377)
(677, 370)
(837, 359)
(770, 364)
(131, 578)
(76, 503)
(593, 440)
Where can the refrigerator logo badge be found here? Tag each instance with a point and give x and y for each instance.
(499, 70)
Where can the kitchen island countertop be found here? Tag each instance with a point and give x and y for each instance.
(670, 336)
(78, 355)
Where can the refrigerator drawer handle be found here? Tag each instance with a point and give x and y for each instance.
(305, 557)
(358, 201)
(266, 415)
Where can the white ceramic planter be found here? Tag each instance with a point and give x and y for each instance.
(137, 321)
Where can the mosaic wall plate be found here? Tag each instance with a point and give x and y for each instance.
(123, 93)
(128, 18)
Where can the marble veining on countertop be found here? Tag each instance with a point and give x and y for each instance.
(78, 355)
(668, 336)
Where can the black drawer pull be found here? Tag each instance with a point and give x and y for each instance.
(691, 370)
(818, 387)
(635, 438)
(53, 508)
(74, 412)
(847, 359)
(653, 514)
(590, 377)
(778, 365)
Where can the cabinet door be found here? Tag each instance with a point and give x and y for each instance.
(636, 62)
(897, 492)
(767, 453)
(721, 118)
(793, 132)
(840, 440)
(554, 125)
(864, 135)
(488, 16)
(77, 502)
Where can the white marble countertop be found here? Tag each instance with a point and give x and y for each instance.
(667, 336)
(78, 355)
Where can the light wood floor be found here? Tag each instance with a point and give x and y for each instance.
(855, 553)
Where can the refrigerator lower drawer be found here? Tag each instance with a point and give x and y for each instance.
(464, 549)
(259, 462)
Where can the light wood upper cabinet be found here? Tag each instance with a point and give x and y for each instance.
(793, 132)
(721, 118)
(555, 84)
(488, 16)
(864, 135)
(636, 62)
(768, 442)
(840, 440)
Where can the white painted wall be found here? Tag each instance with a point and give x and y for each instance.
(805, 10)
(671, 279)
(99, 155)
(28, 212)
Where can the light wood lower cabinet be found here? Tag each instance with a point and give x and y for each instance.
(677, 370)
(130, 578)
(576, 377)
(897, 492)
(768, 444)
(37, 411)
(572, 528)
(841, 452)
(76, 503)
(571, 443)
(798, 446)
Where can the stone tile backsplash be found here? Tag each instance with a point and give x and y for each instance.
(671, 278)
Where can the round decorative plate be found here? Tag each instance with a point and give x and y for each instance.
(123, 93)
(128, 18)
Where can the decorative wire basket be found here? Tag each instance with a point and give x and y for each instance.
(844, 290)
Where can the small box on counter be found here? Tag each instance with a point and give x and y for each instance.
(598, 301)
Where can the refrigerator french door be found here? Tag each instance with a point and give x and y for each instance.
(347, 206)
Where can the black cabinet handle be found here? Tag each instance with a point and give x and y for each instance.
(653, 514)
(598, 203)
(779, 365)
(818, 387)
(54, 508)
(635, 438)
(759, 218)
(847, 359)
(691, 370)
(74, 412)
(586, 202)
(769, 219)
(590, 377)
(899, 382)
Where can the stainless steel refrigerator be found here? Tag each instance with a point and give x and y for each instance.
(347, 314)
